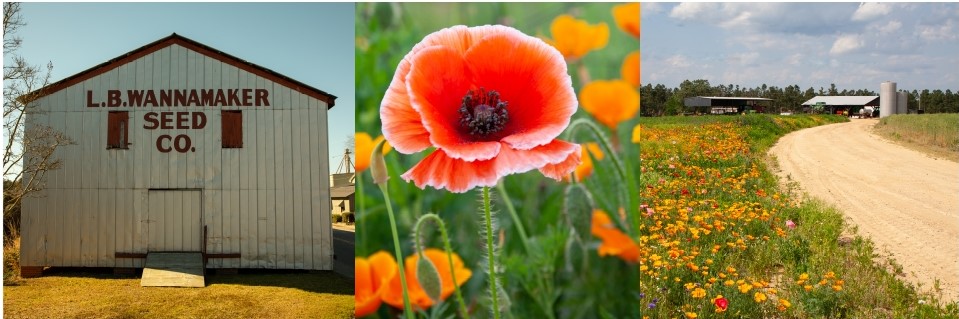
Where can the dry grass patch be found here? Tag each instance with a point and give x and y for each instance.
(934, 134)
(104, 295)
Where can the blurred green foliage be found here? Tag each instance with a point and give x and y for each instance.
(561, 278)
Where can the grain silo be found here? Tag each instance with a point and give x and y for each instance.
(902, 103)
(887, 99)
(182, 148)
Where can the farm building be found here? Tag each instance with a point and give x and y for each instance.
(182, 148)
(725, 105)
(838, 104)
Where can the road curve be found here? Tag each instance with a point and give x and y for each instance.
(905, 201)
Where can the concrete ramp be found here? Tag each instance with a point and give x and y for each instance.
(176, 269)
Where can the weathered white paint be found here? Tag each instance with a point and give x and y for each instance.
(268, 201)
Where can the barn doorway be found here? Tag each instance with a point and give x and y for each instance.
(175, 220)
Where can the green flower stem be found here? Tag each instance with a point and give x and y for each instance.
(512, 213)
(494, 294)
(449, 256)
(399, 253)
(617, 163)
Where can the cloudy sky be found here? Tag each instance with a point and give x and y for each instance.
(810, 44)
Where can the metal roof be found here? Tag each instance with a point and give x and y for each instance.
(343, 192)
(734, 98)
(844, 100)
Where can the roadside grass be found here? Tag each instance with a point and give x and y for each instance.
(90, 294)
(933, 134)
(720, 225)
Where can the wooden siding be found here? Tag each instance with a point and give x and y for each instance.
(268, 201)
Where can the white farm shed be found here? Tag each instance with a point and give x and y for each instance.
(182, 148)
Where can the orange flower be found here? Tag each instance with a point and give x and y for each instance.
(574, 38)
(372, 274)
(627, 18)
(630, 69)
(364, 148)
(585, 168)
(615, 242)
(490, 99)
(610, 102)
(636, 134)
(394, 294)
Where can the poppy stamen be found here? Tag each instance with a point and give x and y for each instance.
(483, 113)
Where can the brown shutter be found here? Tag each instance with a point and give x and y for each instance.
(118, 128)
(232, 129)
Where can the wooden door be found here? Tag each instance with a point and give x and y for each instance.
(174, 223)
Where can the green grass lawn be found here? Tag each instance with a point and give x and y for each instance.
(62, 294)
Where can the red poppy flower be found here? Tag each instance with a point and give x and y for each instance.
(490, 99)
(721, 303)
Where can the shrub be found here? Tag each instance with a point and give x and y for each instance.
(11, 260)
(337, 218)
(348, 217)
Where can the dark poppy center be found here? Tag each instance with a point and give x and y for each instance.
(483, 113)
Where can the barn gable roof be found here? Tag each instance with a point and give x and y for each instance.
(198, 47)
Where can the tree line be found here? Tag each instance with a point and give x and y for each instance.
(659, 100)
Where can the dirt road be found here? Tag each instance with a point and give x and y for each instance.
(907, 202)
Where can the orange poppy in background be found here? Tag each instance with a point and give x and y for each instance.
(615, 242)
(610, 102)
(574, 38)
(629, 72)
(393, 295)
(490, 99)
(627, 18)
(371, 278)
(585, 168)
(364, 148)
(636, 134)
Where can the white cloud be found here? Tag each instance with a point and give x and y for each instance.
(693, 10)
(795, 59)
(890, 27)
(869, 11)
(678, 61)
(845, 44)
(945, 31)
(748, 58)
(651, 8)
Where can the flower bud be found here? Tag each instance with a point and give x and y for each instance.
(429, 278)
(378, 164)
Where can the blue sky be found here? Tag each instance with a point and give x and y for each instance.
(310, 42)
(810, 44)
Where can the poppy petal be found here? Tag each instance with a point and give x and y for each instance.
(558, 170)
(402, 125)
(439, 79)
(441, 171)
(367, 298)
(531, 76)
(511, 161)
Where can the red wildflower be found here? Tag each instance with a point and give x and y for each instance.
(490, 99)
(721, 303)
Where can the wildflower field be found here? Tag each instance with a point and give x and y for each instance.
(467, 101)
(721, 238)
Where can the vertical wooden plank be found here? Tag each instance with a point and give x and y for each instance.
(159, 162)
(214, 221)
(73, 123)
(28, 245)
(125, 225)
(106, 227)
(55, 226)
(126, 160)
(305, 222)
(141, 136)
(154, 232)
(91, 143)
(272, 232)
(248, 235)
(191, 221)
(281, 169)
(296, 165)
(107, 168)
(321, 195)
(89, 232)
(71, 229)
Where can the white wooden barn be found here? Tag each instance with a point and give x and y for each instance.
(173, 138)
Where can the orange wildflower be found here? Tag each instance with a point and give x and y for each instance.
(490, 99)
(610, 102)
(585, 167)
(364, 148)
(371, 276)
(393, 295)
(615, 242)
(636, 134)
(574, 38)
(631, 69)
(627, 18)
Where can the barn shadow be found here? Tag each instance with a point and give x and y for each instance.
(326, 282)
(310, 281)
